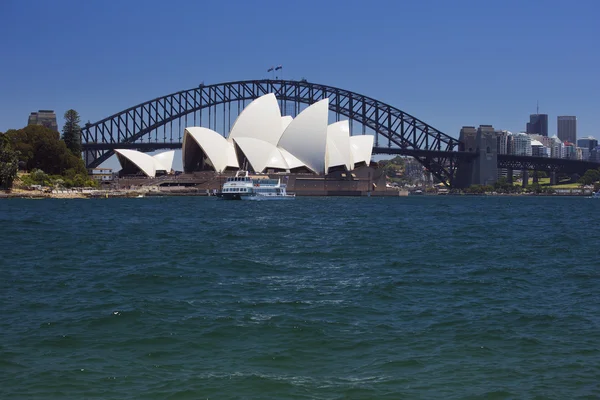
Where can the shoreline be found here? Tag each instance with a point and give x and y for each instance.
(112, 194)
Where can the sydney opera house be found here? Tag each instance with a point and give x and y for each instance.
(263, 141)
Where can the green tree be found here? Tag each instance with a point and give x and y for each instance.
(9, 162)
(41, 148)
(72, 132)
(590, 176)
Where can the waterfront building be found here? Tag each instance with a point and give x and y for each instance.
(521, 144)
(101, 174)
(588, 142)
(567, 128)
(261, 140)
(45, 118)
(538, 123)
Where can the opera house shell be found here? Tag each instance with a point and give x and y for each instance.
(262, 140)
(135, 162)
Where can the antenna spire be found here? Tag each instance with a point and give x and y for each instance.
(537, 110)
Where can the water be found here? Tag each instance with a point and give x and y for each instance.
(317, 298)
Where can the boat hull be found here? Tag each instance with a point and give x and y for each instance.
(233, 196)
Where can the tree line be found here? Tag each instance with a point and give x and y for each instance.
(37, 148)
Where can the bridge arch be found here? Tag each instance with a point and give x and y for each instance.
(404, 133)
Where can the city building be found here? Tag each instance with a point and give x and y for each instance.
(545, 140)
(595, 154)
(588, 143)
(46, 118)
(557, 148)
(539, 150)
(569, 151)
(538, 123)
(567, 128)
(585, 153)
(504, 142)
(521, 144)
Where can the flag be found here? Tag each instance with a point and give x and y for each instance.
(270, 69)
(278, 67)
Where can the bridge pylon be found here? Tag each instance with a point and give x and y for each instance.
(482, 169)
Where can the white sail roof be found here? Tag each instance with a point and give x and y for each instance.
(338, 146)
(165, 160)
(146, 163)
(306, 136)
(219, 150)
(361, 147)
(261, 154)
(291, 160)
(261, 119)
(285, 122)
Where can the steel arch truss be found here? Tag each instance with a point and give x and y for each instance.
(397, 128)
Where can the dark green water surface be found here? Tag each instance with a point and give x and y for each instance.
(316, 298)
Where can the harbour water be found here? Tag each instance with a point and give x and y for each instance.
(319, 298)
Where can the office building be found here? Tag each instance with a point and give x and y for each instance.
(538, 124)
(521, 144)
(567, 128)
(587, 143)
(46, 118)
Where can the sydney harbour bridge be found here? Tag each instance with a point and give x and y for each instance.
(159, 124)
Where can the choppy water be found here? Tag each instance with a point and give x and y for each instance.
(324, 298)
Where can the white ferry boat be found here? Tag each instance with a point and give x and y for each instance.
(243, 187)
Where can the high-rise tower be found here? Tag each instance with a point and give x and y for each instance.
(567, 128)
(538, 124)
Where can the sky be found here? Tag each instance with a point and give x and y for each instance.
(448, 63)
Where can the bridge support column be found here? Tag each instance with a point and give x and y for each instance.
(525, 177)
(535, 178)
(553, 178)
(509, 175)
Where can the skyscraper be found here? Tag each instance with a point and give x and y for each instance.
(46, 118)
(567, 128)
(538, 124)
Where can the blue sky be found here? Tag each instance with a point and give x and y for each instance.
(449, 63)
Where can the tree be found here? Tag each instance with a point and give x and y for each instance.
(41, 148)
(9, 162)
(72, 132)
(590, 176)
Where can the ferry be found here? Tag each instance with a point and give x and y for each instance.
(243, 187)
